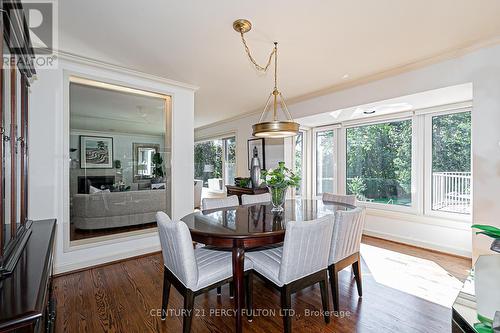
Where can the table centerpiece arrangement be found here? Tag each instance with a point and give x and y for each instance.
(278, 180)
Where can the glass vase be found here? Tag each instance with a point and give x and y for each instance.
(278, 196)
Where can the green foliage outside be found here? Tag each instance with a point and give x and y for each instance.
(451, 135)
(208, 153)
(379, 162)
(299, 142)
(379, 156)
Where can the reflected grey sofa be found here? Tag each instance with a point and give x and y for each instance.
(117, 209)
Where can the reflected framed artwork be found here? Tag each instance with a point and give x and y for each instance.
(96, 152)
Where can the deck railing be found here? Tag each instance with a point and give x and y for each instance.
(451, 191)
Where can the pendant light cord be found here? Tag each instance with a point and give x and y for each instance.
(254, 62)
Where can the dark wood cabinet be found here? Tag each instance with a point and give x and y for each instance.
(239, 191)
(26, 301)
(16, 71)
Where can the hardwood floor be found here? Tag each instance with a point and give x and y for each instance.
(126, 297)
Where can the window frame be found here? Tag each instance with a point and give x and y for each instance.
(413, 208)
(315, 131)
(421, 159)
(427, 178)
(304, 163)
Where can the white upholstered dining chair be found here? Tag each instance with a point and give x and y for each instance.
(191, 271)
(216, 203)
(248, 199)
(301, 261)
(347, 199)
(344, 250)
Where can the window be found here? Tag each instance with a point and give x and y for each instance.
(451, 163)
(215, 160)
(325, 162)
(379, 162)
(230, 160)
(299, 166)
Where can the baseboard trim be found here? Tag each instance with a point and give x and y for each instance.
(420, 244)
(65, 269)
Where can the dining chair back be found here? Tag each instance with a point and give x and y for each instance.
(249, 199)
(304, 248)
(216, 203)
(347, 199)
(344, 250)
(347, 232)
(177, 249)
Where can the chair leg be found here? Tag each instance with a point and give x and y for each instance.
(249, 295)
(231, 290)
(188, 311)
(286, 305)
(324, 298)
(166, 293)
(356, 268)
(219, 291)
(334, 285)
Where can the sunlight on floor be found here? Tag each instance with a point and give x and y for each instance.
(419, 277)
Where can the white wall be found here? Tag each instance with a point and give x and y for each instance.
(49, 158)
(242, 128)
(482, 68)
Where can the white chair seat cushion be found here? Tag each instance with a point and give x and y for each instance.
(214, 266)
(267, 262)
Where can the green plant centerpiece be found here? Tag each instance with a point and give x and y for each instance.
(277, 181)
(492, 232)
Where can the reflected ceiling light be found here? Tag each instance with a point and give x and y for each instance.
(275, 128)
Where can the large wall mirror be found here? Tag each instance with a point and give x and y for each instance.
(119, 145)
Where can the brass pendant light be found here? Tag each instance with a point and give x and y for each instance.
(275, 128)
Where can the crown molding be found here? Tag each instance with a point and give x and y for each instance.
(443, 56)
(105, 65)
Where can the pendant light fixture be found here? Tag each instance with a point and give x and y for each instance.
(275, 128)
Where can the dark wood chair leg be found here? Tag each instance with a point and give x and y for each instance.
(356, 268)
(166, 293)
(334, 285)
(286, 305)
(324, 298)
(231, 289)
(249, 295)
(219, 291)
(188, 311)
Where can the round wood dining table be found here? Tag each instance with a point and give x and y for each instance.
(248, 226)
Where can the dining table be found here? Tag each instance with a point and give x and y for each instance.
(246, 227)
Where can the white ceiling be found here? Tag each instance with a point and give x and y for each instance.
(104, 110)
(192, 41)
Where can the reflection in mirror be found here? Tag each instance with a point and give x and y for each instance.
(17, 148)
(7, 165)
(144, 160)
(118, 170)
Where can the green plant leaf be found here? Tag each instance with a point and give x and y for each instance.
(488, 228)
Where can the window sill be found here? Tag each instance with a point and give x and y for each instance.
(459, 223)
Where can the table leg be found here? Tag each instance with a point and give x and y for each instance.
(238, 279)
